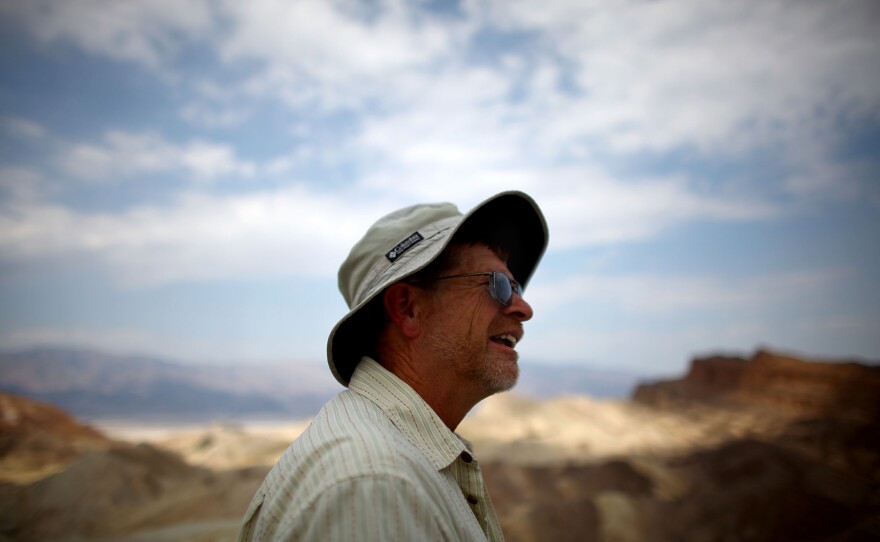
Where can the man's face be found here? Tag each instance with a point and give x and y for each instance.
(471, 332)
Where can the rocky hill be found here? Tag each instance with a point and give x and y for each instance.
(37, 439)
(762, 449)
(775, 382)
(63, 480)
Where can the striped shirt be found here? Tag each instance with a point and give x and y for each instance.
(377, 463)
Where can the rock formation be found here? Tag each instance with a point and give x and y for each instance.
(37, 438)
(66, 481)
(785, 449)
(774, 382)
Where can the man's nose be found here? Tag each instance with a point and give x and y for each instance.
(519, 308)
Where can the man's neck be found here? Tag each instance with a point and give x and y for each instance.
(448, 401)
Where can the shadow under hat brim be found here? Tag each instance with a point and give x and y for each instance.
(510, 219)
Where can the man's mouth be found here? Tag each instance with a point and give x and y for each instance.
(506, 339)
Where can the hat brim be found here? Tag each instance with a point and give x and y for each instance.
(513, 218)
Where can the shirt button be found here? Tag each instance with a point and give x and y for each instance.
(473, 500)
(466, 457)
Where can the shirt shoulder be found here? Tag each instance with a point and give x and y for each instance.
(366, 508)
(352, 436)
(351, 453)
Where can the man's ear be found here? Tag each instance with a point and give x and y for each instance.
(403, 306)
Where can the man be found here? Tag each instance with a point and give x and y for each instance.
(436, 313)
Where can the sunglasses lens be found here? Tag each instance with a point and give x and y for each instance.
(502, 289)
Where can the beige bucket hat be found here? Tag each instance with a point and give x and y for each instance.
(406, 241)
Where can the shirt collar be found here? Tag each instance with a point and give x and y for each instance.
(408, 412)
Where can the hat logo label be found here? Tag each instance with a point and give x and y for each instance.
(403, 246)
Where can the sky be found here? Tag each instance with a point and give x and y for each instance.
(183, 179)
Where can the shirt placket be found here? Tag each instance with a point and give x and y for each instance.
(467, 473)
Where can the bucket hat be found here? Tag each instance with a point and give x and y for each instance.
(406, 241)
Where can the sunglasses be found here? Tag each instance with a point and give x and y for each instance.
(501, 287)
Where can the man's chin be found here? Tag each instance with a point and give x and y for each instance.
(504, 379)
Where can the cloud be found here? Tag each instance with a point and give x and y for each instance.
(202, 236)
(23, 129)
(332, 39)
(305, 231)
(213, 117)
(295, 231)
(20, 183)
(646, 294)
(335, 54)
(133, 341)
(458, 139)
(715, 76)
(147, 31)
(579, 80)
(647, 350)
(124, 154)
(584, 206)
(438, 117)
(664, 321)
(587, 207)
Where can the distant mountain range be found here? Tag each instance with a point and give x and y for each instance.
(545, 380)
(95, 385)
